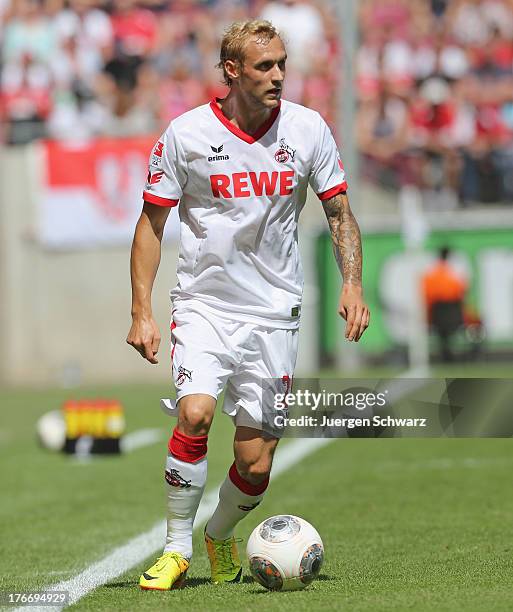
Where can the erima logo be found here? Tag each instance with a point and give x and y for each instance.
(218, 157)
(248, 508)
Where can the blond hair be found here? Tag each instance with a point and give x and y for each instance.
(237, 36)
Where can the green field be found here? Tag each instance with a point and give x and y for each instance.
(407, 524)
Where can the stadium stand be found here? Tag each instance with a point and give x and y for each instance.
(434, 79)
(86, 68)
(435, 92)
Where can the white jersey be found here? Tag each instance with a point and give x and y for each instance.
(240, 197)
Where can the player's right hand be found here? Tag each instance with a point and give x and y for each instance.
(354, 311)
(144, 336)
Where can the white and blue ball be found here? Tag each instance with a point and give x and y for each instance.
(285, 553)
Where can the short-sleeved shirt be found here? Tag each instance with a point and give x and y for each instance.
(239, 199)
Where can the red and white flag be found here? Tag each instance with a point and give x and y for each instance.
(91, 193)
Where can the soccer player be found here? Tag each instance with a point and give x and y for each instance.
(239, 169)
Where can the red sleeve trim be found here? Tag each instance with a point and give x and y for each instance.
(154, 199)
(326, 195)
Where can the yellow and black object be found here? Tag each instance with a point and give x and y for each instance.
(93, 426)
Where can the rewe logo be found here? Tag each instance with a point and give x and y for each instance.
(218, 157)
(247, 184)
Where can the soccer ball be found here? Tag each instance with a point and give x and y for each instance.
(51, 430)
(285, 553)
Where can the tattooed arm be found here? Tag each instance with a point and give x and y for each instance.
(347, 246)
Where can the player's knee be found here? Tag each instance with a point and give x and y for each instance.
(254, 472)
(194, 420)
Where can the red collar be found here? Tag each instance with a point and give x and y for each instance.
(263, 129)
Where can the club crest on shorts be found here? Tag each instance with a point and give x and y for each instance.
(183, 375)
(284, 153)
(175, 480)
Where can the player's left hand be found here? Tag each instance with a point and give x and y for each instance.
(354, 311)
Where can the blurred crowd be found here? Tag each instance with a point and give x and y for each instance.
(434, 78)
(435, 94)
(75, 69)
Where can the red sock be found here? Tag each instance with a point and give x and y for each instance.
(237, 497)
(246, 487)
(187, 448)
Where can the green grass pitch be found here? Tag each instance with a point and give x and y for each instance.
(406, 524)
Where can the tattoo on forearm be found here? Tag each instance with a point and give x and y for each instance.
(345, 234)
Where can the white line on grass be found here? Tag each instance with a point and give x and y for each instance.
(123, 558)
(440, 463)
(139, 439)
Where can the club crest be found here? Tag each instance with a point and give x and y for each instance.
(175, 480)
(183, 375)
(284, 153)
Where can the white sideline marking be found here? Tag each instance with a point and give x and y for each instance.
(449, 463)
(123, 558)
(139, 439)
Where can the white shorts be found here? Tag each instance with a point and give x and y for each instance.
(211, 352)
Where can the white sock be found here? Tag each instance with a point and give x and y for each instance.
(185, 482)
(234, 504)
